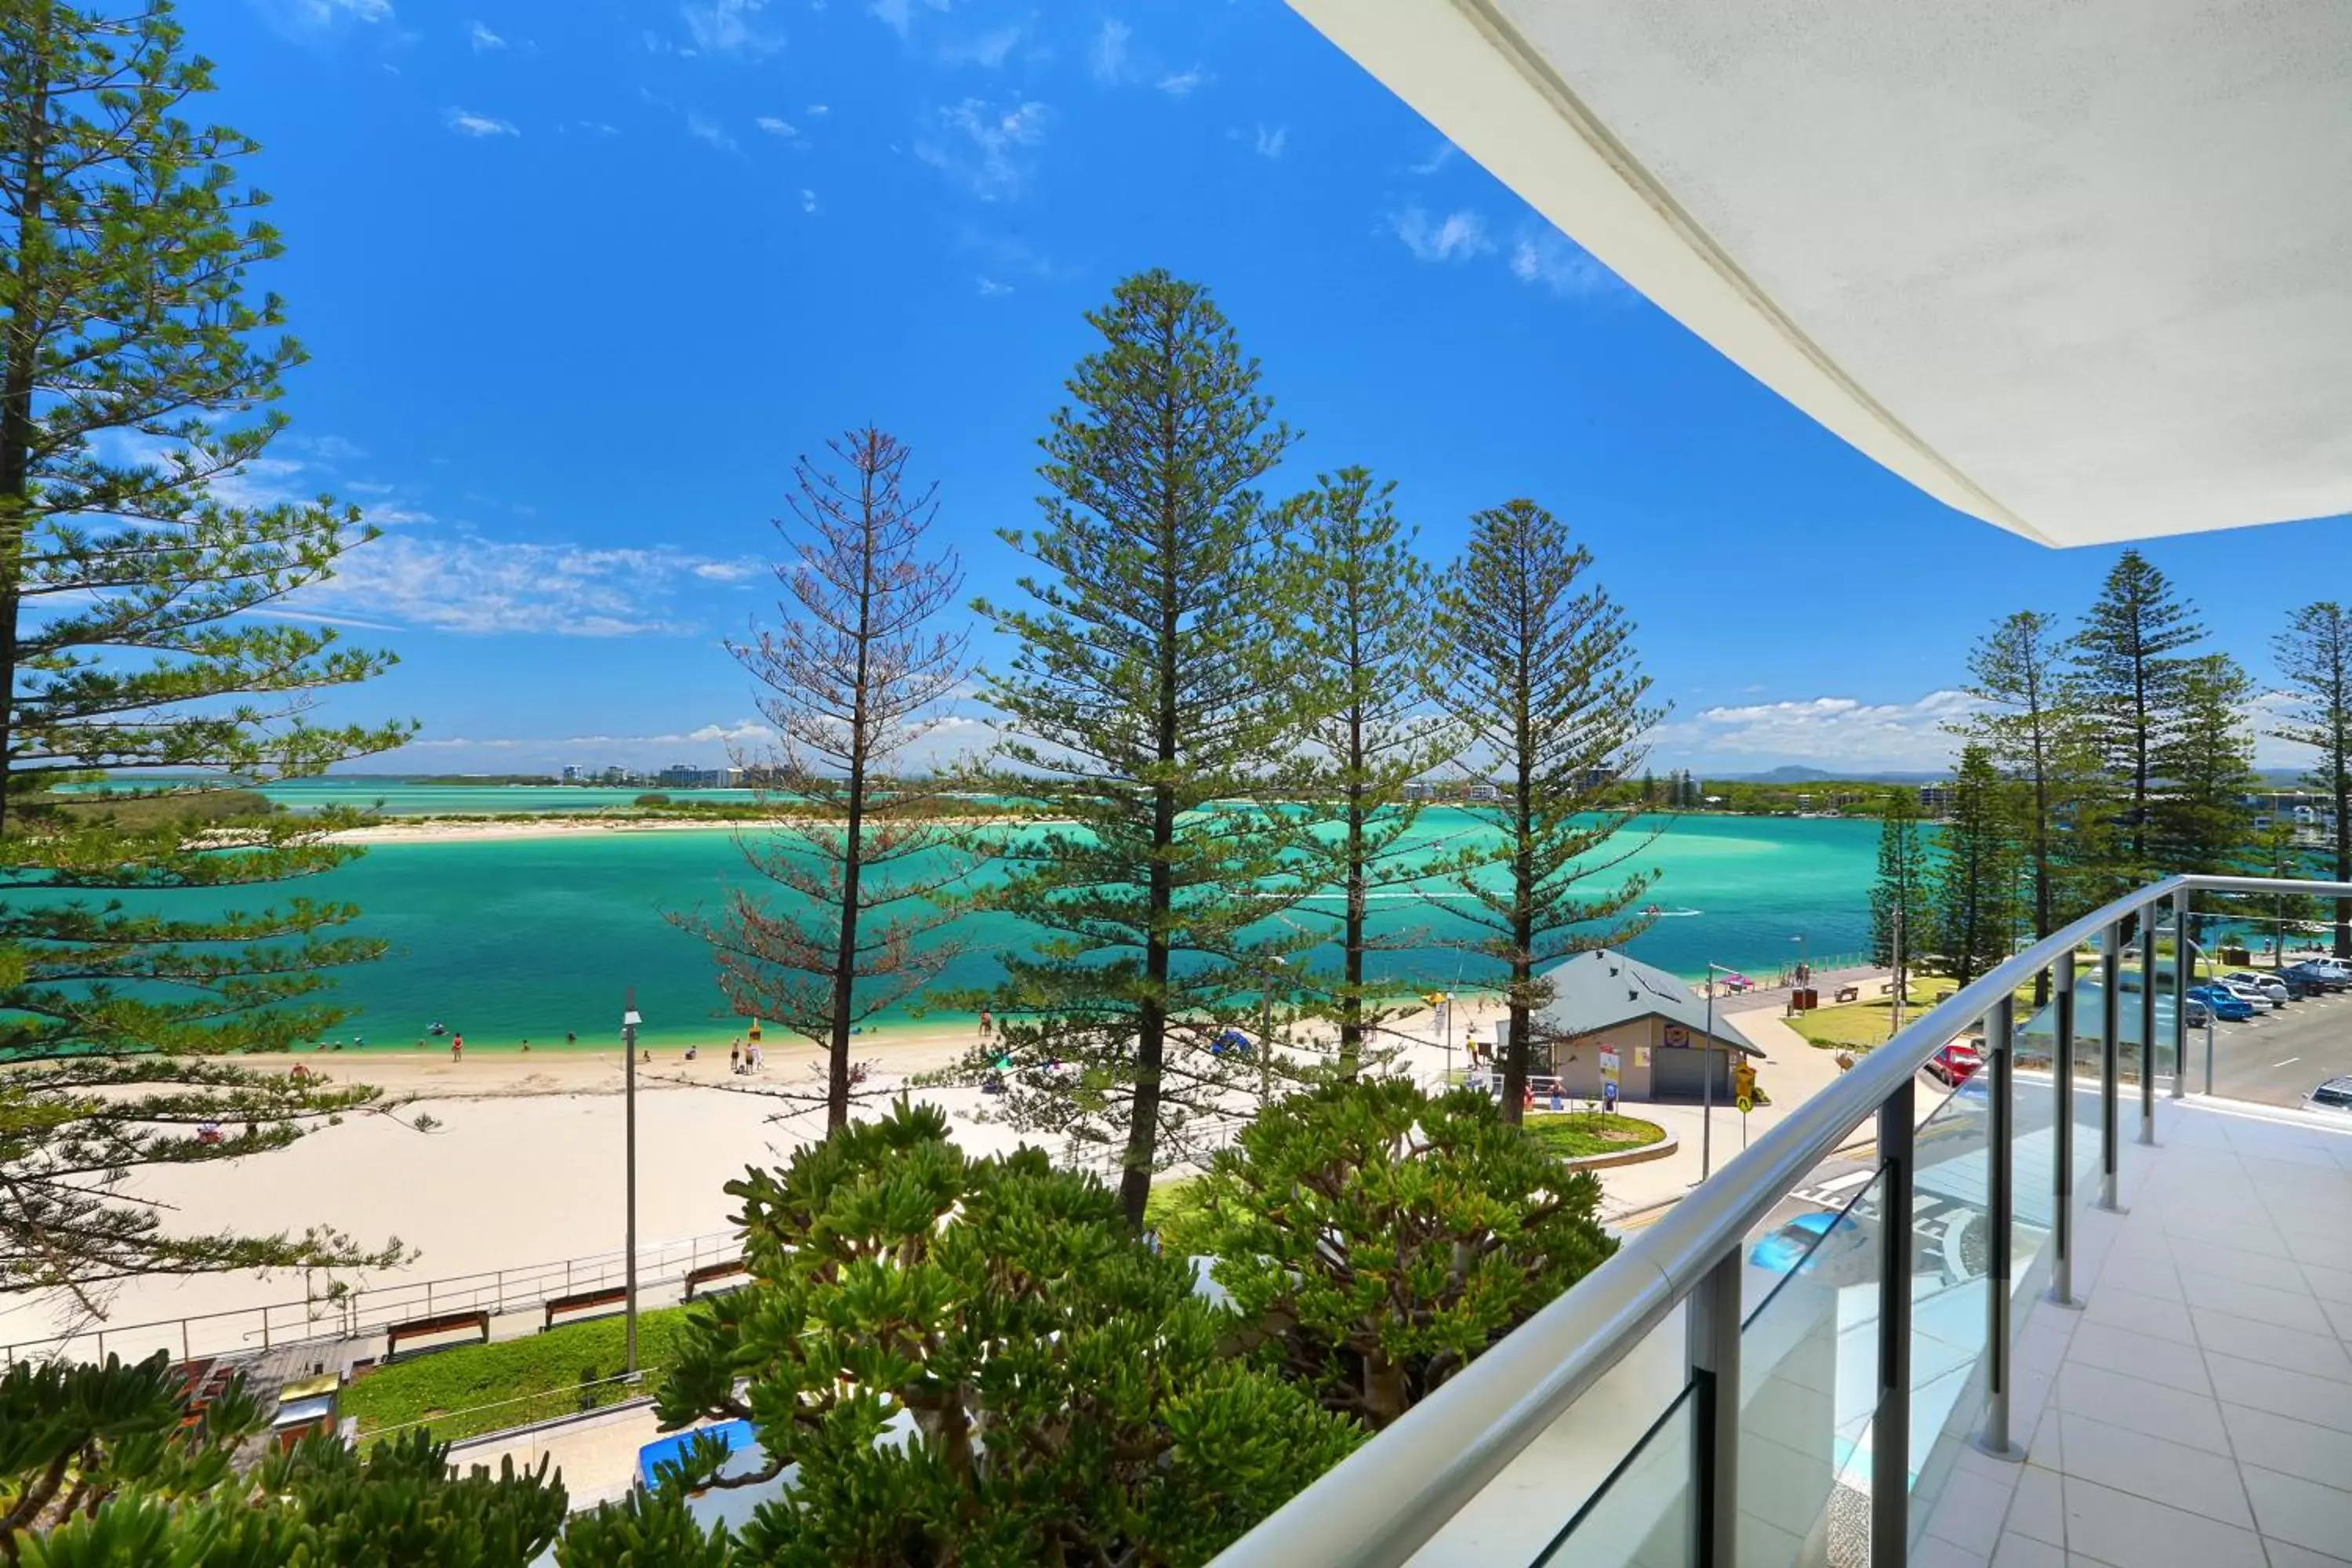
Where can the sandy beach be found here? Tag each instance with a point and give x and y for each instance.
(524, 1162)
(490, 830)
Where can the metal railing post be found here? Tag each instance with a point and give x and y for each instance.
(185, 1353)
(2061, 1141)
(1714, 1326)
(2110, 996)
(1890, 1430)
(2147, 962)
(2000, 1207)
(2180, 993)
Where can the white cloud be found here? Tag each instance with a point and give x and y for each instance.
(815, 109)
(483, 586)
(708, 129)
(1824, 732)
(326, 448)
(899, 16)
(808, 201)
(1106, 57)
(327, 12)
(1435, 160)
(468, 123)
(1181, 84)
(988, 50)
(983, 147)
(1558, 264)
(1457, 237)
(775, 127)
(482, 38)
(1270, 142)
(594, 128)
(730, 28)
(991, 289)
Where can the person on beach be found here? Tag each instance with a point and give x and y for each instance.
(457, 1047)
(570, 1038)
(987, 1024)
(526, 1046)
(735, 1059)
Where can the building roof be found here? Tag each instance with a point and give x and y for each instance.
(1597, 989)
(2081, 270)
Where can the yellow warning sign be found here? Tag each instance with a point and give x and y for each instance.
(1745, 1104)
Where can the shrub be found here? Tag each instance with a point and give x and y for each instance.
(1063, 1394)
(1377, 1240)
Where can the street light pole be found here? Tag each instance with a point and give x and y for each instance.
(629, 1022)
(1706, 1086)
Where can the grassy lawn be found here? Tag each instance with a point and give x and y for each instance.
(1860, 1026)
(1574, 1134)
(531, 1379)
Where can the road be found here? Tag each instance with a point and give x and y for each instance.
(2278, 1058)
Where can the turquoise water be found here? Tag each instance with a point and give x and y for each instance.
(528, 938)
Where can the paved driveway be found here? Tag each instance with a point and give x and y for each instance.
(2277, 1059)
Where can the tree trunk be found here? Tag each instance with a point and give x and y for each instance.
(17, 384)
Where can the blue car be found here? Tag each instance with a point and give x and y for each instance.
(2228, 1008)
(1811, 1243)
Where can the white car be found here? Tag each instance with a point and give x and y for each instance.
(2275, 990)
(2250, 996)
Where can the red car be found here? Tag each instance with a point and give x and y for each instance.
(1955, 1063)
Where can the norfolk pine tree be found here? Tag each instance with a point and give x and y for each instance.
(1365, 597)
(2127, 681)
(2206, 766)
(1974, 882)
(1149, 695)
(2034, 730)
(1902, 914)
(1541, 677)
(135, 373)
(2314, 654)
(852, 678)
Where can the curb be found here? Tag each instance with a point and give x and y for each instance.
(1660, 1150)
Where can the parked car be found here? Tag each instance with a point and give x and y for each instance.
(2274, 986)
(2251, 995)
(1818, 1243)
(2226, 1005)
(2335, 1095)
(2198, 1013)
(1955, 1063)
(2322, 975)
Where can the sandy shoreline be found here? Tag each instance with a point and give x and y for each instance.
(522, 1162)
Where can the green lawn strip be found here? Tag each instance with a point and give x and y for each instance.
(1864, 1024)
(1576, 1134)
(525, 1380)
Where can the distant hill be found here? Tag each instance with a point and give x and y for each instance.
(1798, 774)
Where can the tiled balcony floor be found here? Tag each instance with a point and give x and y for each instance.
(2197, 1409)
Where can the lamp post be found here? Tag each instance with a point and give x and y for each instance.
(629, 1022)
(1707, 1079)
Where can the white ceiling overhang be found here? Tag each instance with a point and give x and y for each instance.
(2080, 268)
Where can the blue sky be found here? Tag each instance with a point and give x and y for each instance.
(580, 279)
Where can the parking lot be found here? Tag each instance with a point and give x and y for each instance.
(2278, 1058)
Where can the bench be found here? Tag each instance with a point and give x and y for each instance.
(617, 1296)
(1886, 988)
(424, 1327)
(1849, 994)
(710, 1271)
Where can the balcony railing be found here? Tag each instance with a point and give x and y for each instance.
(1786, 1366)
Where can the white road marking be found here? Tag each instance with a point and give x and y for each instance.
(2288, 1063)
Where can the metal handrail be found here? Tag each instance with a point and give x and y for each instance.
(315, 1319)
(1383, 1502)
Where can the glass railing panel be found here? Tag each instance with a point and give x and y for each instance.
(1641, 1517)
(1809, 1380)
(1571, 1461)
(2033, 1157)
(1951, 1234)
